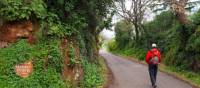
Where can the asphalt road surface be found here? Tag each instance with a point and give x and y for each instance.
(128, 74)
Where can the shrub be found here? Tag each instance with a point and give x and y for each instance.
(41, 77)
(112, 45)
(92, 75)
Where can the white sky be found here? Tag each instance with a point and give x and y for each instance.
(109, 34)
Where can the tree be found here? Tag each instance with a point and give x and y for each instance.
(85, 18)
(134, 14)
(178, 7)
(123, 34)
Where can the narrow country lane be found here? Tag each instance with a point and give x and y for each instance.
(128, 74)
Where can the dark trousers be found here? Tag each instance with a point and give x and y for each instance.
(153, 73)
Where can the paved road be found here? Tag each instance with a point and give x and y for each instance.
(128, 74)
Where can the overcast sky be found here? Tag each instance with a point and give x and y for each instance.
(109, 34)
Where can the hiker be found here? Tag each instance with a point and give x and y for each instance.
(153, 58)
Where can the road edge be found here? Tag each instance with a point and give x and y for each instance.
(109, 74)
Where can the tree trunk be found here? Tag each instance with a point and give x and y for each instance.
(136, 33)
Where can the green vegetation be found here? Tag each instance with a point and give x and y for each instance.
(179, 44)
(66, 39)
(96, 75)
(79, 22)
(42, 77)
(93, 77)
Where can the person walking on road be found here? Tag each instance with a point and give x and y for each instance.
(153, 58)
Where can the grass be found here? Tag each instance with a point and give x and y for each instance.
(95, 74)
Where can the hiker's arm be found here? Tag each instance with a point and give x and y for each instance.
(147, 57)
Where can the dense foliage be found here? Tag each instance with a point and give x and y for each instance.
(92, 76)
(124, 33)
(78, 21)
(42, 76)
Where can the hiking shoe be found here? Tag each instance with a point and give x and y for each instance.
(154, 86)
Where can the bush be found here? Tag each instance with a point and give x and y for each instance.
(112, 45)
(20, 9)
(196, 18)
(41, 77)
(92, 75)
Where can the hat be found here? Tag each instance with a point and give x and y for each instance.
(153, 45)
